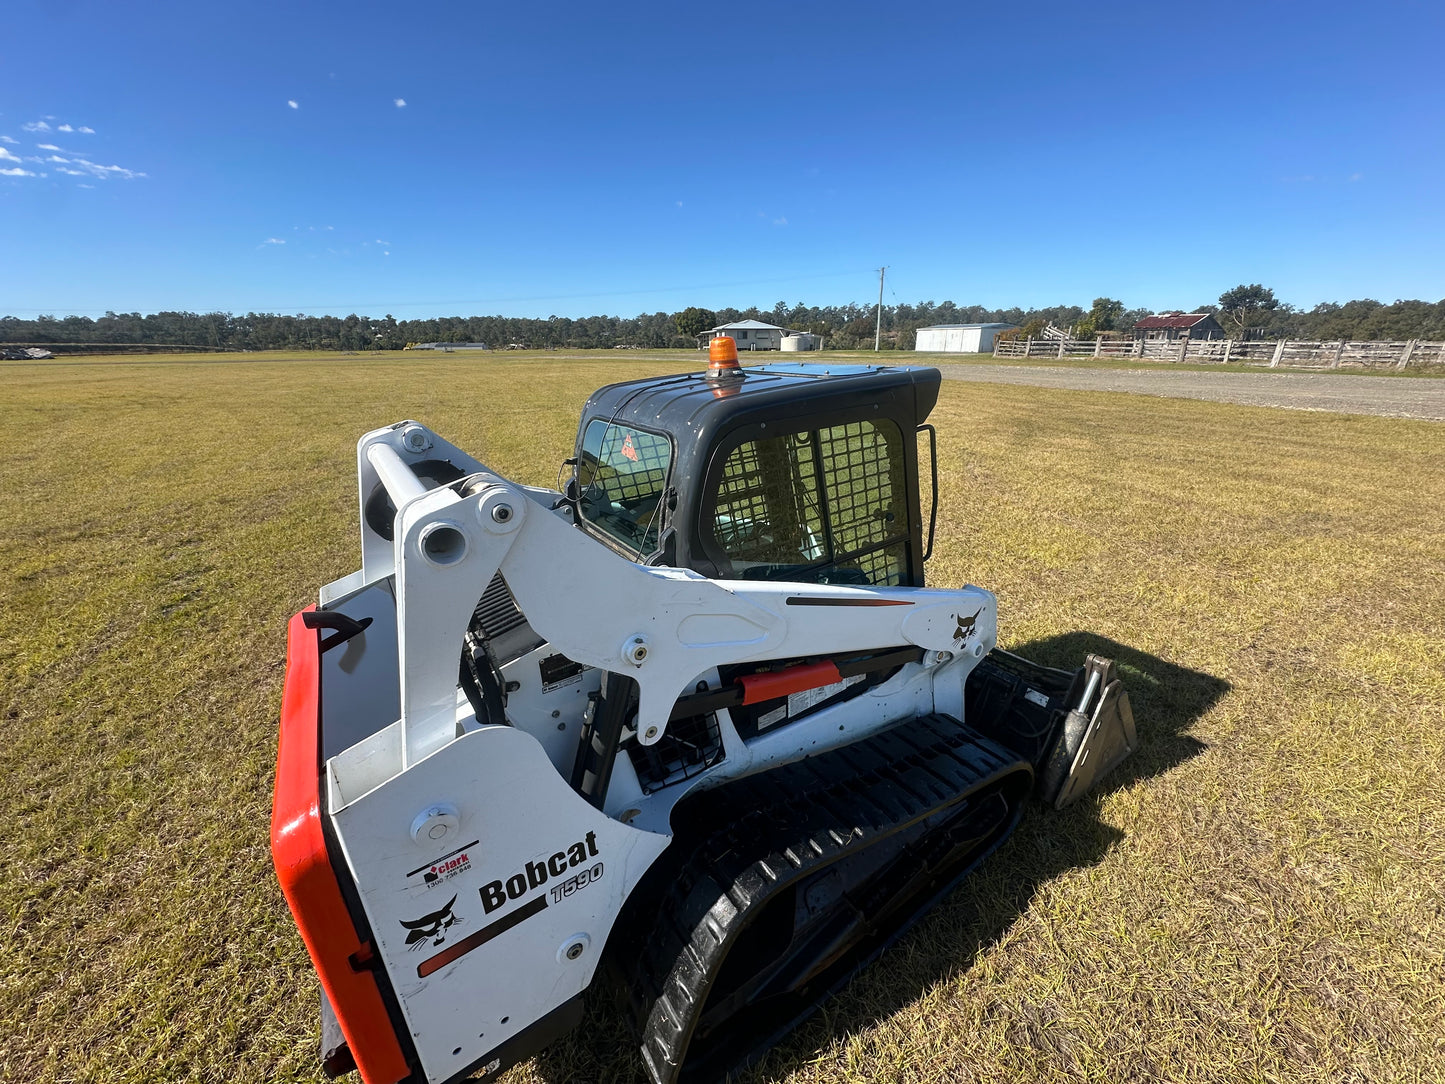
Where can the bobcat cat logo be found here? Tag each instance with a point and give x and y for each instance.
(434, 925)
(965, 627)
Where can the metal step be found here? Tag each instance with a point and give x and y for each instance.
(787, 883)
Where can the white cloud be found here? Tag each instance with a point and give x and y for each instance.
(47, 146)
(104, 173)
(16, 172)
(292, 103)
(381, 242)
(6, 156)
(274, 241)
(400, 103)
(386, 253)
(57, 158)
(42, 126)
(85, 186)
(72, 172)
(780, 222)
(7, 139)
(679, 203)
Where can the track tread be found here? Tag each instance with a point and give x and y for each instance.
(801, 818)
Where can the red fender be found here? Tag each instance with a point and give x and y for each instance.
(298, 849)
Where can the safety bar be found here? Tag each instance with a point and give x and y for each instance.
(401, 484)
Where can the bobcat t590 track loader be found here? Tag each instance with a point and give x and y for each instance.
(692, 723)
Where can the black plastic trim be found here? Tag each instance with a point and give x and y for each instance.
(933, 493)
(536, 1036)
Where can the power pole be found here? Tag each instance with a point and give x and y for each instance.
(878, 327)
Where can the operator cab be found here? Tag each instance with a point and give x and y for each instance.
(798, 472)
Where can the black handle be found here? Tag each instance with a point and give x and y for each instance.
(346, 627)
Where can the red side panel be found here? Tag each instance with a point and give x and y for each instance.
(769, 686)
(298, 849)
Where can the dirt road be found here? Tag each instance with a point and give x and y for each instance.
(1391, 397)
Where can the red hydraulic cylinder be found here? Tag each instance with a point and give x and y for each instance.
(780, 683)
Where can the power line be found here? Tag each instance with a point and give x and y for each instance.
(394, 304)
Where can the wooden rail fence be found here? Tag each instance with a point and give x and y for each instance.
(1274, 353)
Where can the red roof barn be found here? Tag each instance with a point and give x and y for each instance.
(1179, 325)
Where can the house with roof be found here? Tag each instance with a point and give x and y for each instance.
(749, 335)
(1179, 325)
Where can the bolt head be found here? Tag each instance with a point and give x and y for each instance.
(570, 949)
(433, 823)
(502, 513)
(635, 650)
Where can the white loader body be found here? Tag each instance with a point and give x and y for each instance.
(517, 858)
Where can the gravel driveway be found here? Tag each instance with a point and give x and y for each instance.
(1391, 397)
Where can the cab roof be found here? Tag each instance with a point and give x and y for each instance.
(705, 419)
(690, 401)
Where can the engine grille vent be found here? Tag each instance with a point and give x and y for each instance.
(497, 611)
(688, 747)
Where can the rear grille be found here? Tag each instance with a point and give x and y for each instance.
(688, 747)
(497, 611)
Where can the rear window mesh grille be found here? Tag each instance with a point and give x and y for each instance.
(866, 491)
(836, 495)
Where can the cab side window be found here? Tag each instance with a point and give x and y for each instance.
(621, 477)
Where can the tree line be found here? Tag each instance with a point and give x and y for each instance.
(1247, 310)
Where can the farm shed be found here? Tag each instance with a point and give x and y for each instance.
(959, 338)
(749, 334)
(1179, 325)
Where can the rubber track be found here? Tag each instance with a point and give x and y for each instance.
(795, 821)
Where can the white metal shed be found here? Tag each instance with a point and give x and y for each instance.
(959, 338)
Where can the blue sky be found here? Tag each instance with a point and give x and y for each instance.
(531, 159)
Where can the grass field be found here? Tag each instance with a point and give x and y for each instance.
(1257, 896)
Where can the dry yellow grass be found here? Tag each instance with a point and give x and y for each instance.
(1257, 897)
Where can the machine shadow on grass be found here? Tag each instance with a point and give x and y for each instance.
(1167, 699)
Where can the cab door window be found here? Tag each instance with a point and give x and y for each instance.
(823, 505)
